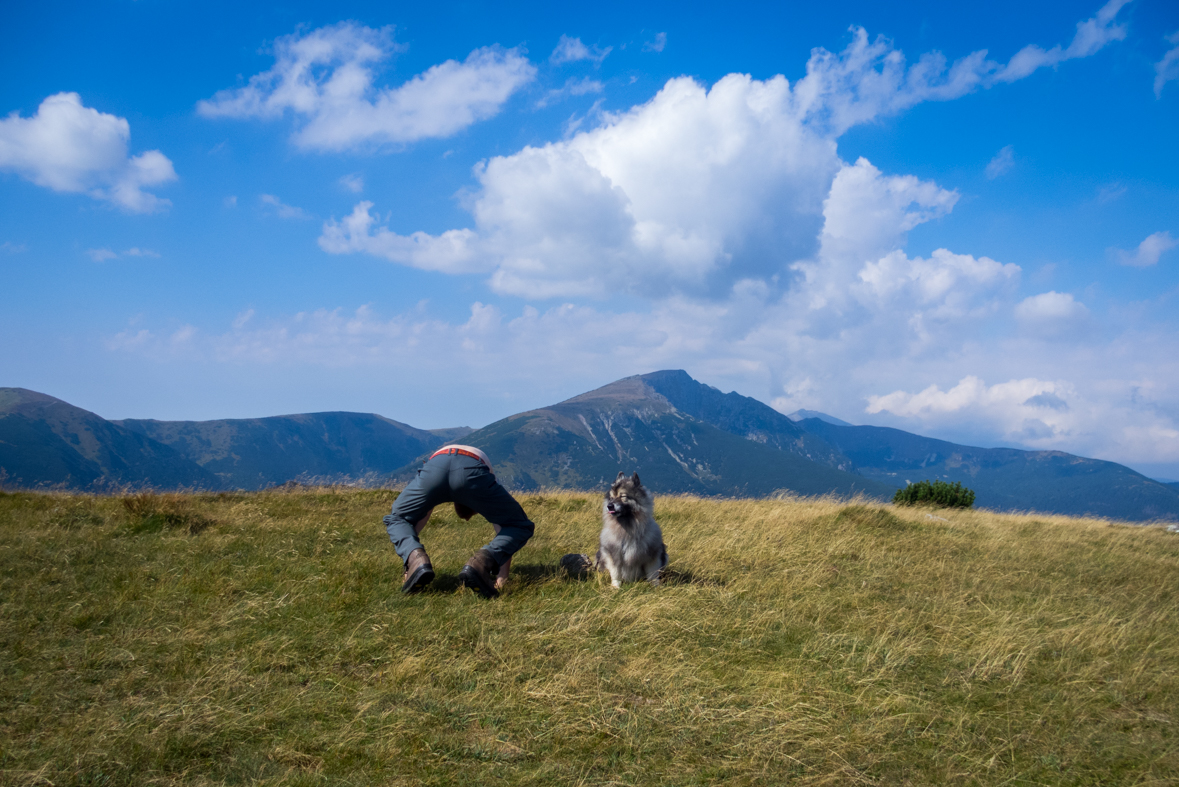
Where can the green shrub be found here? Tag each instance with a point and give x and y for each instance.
(935, 493)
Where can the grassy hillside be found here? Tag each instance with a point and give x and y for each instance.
(260, 639)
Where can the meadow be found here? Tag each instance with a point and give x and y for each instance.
(261, 639)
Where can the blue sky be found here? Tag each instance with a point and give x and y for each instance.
(958, 221)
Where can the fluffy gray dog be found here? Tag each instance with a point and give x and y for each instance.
(631, 544)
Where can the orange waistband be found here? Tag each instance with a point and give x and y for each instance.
(457, 451)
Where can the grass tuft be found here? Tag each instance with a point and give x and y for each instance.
(151, 513)
(871, 518)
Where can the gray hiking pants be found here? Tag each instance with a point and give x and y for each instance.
(454, 478)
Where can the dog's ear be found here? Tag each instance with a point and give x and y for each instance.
(635, 478)
(620, 475)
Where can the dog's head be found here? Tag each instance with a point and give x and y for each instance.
(627, 498)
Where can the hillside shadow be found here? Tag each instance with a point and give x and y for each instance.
(525, 574)
(676, 576)
(530, 573)
(443, 583)
(535, 572)
(573, 570)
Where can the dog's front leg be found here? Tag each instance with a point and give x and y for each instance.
(615, 572)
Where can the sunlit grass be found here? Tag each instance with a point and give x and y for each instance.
(262, 639)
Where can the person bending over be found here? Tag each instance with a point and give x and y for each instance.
(459, 474)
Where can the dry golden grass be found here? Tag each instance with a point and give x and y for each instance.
(261, 639)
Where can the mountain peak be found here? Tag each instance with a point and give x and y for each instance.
(624, 391)
(666, 386)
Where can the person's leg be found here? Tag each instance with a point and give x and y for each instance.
(473, 485)
(429, 488)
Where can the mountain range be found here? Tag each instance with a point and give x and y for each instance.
(45, 442)
(1002, 478)
(681, 436)
(254, 453)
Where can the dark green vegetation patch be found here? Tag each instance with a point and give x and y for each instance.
(936, 493)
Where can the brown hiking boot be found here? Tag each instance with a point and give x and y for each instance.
(418, 572)
(479, 574)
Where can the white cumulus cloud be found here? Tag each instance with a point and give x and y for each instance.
(867, 214)
(1026, 411)
(1148, 252)
(1050, 306)
(326, 79)
(689, 184)
(699, 187)
(72, 148)
(1052, 315)
(969, 392)
(1110, 418)
(449, 252)
(860, 288)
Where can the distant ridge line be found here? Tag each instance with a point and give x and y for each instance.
(682, 435)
